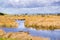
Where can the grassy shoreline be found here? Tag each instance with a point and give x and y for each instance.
(19, 36)
(45, 22)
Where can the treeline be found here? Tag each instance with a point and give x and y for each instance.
(58, 14)
(2, 13)
(39, 14)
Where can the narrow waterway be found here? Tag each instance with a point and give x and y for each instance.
(54, 35)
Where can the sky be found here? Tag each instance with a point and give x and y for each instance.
(29, 6)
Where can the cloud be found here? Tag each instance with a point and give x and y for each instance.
(27, 3)
(29, 6)
(42, 10)
(56, 3)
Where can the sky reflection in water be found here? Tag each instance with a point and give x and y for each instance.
(54, 35)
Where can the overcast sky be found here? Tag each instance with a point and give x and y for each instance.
(29, 6)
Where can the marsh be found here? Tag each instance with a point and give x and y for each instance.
(53, 34)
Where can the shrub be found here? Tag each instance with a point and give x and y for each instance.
(2, 14)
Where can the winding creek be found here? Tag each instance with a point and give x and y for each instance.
(54, 35)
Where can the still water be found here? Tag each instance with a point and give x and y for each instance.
(54, 35)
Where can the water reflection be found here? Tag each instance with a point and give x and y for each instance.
(54, 35)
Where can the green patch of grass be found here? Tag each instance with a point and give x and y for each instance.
(7, 39)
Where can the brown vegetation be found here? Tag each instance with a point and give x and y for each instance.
(6, 21)
(20, 36)
(35, 21)
(43, 22)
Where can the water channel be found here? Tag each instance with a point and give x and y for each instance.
(53, 35)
